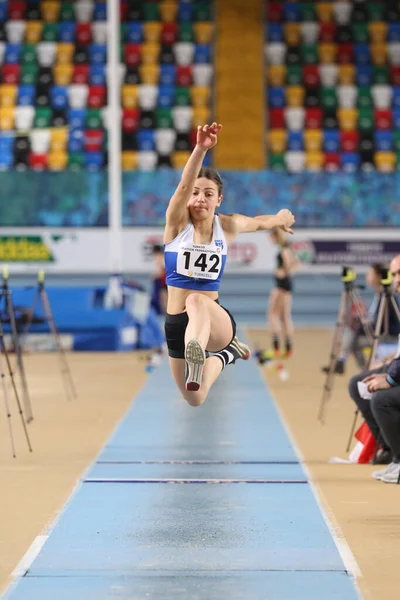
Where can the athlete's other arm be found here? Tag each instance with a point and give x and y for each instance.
(236, 223)
(177, 215)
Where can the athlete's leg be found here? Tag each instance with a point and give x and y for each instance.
(212, 370)
(287, 323)
(274, 316)
(208, 323)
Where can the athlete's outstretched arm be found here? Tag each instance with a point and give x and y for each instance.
(177, 211)
(235, 224)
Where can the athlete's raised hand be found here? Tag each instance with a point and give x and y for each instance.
(207, 135)
(286, 220)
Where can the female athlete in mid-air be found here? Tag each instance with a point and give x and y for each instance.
(200, 333)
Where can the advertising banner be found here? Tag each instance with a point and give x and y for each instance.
(87, 251)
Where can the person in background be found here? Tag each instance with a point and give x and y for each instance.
(280, 301)
(354, 338)
(382, 411)
(158, 300)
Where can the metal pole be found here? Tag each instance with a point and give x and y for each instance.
(114, 138)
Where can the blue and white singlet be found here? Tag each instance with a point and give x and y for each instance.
(196, 266)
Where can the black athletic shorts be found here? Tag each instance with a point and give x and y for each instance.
(284, 283)
(175, 327)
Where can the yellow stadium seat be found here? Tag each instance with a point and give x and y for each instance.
(324, 12)
(277, 75)
(129, 160)
(313, 140)
(347, 118)
(7, 116)
(180, 158)
(130, 94)
(377, 31)
(168, 11)
(50, 11)
(314, 160)
(200, 95)
(385, 161)
(58, 139)
(33, 31)
(150, 53)
(346, 74)
(149, 74)
(8, 94)
(63, 74)
(152, 31)
(203, 31)
(295, 96)
(277, 140)
(65, 52)
(327, 53)
(293, 34)
(379, 52)
(57, 160)
(201, 115)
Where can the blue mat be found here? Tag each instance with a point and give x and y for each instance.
(193, 504)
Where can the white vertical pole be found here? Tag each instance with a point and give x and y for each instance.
(114, 138)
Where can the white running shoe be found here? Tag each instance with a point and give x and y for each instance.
(195, 358)
(238, 349)
(382, 472)
(392, 476)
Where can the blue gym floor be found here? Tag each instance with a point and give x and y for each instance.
(193, 504)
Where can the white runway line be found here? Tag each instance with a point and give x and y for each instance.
(29, 556)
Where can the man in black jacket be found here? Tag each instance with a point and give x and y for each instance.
(382, 411)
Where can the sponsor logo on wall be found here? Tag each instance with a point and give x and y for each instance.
(25, 248)
(344, 252)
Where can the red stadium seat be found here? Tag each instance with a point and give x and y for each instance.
(277, 118)
(349, 141)
(311, 75)
(37, 162)
(383, 118)
(132, 54)
(97, 96)
(169, 33)
(94, 139)
(184, 75)
(11, 73)
(274, 12)
(313, 118)
(80, 74)
(83, 33)
(130, 119)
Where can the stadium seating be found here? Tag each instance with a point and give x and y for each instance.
(53, 57)
(333, 85)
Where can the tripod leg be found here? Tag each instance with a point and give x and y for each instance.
(353, 428)
(7, 405)
(65, 370)
(7, 359)
(17, 345)
(336, 342)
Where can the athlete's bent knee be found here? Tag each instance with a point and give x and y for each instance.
(194, 301)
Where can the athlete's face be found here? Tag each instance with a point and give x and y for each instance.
(395, 271)
(204, 198)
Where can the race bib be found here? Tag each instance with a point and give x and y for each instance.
(199, 262)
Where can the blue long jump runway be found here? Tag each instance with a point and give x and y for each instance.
(193, 504)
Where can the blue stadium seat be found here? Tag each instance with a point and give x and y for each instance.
(66, 31)
(202, 54)
(134, 32)
(362, 53)
(59, 96)
(146, 139)
(166, 96)
(6, 141)
(384, 141)
(94, 161)
(274, 32)
(276, 97)
(97, 54)
(97, 75)
(3, 11)
(291, 11)
(76, 140)
(6, 160)
(185, 12)
(100, 11)
(331, 140)
(26, 94)
(167, 74)
(76, 117)
(396, 118)
(350, 161)
(393, 32)
(396, 97)
(295, 141)
(12, 54)
(364, 75)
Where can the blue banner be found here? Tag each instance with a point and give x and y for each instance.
(80, 199)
